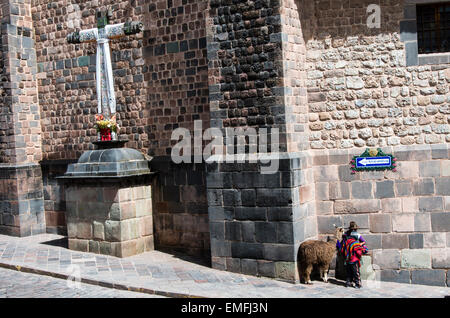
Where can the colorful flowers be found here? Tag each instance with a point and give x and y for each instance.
(104, 124)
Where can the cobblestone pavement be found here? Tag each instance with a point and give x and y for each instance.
(168, 275)
(14, 284)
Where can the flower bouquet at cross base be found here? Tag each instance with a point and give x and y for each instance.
(106, 127)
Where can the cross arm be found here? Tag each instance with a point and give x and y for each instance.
(82, 36)
(122, 29)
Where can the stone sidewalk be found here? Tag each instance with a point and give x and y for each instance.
(169, 275)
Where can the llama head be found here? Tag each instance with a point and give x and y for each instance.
(339, 231)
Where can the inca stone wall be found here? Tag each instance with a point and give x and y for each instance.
(160, 82)
(333, 87)
(66, 72)
(360, 91)
(160, 74)
(114, 219)
(180, 207)
(403, 215)
(176, 69)
(310, 68)
(22, 210)
(245, 66)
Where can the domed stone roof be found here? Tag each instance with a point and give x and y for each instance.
(116, 162)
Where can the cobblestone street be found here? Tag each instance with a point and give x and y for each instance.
(14, 284)
(157, 273)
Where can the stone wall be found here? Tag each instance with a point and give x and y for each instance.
(245, 66)
(160, 82)
(67, 94)
(160, 74)
(111, 219)
(22, 211)
(361, 94)
(403, 215)
(54, 195)
(176, 70)
(293, 13)
(20, 137)
(22, 201)
(257, 221)
(180, 207)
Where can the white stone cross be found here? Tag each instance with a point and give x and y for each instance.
(106, 97)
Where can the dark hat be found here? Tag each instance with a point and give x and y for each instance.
(353, 226)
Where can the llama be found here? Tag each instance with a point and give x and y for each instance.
(315, 252)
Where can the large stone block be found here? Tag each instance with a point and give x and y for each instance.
(380, 223)
(443, 186)
(387, 259)
(251, 213)
(274, 197)
(422, 222)
(430, 277)
(430, 168)
(440, 222)
(396, 276)
(394, 241)
(339, 191)
(247, 250)
(416, 258)
(249, 267)
(385, 189)
(286, 271)
(325, 224)
(431, 204)
(392, 205)
(423, 187)
(373, 241)
(403, 222)
(434, 240)
(362, 190)
(415, 241)
(99, 230)
(361, 219)
(403, 187)
(266, 268)
(112, 231)
(440, 258)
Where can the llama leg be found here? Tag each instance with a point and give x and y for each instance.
(308, 274)
(323, 273)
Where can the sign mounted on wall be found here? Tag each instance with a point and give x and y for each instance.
(373, 160)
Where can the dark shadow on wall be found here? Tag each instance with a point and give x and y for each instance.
(180, 209)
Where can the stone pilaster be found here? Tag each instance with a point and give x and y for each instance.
(20, 128)
(257, 80)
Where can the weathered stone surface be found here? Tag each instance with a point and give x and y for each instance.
(431, 204)
(416, 241)
(384, 189)
(380, 223)
(394, 241)
(387, 259)
(428, 277)
(397, 276)
(403, 222)
(416, 258)
(440, 258)
(440, 222)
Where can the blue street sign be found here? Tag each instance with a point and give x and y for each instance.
(371, 162)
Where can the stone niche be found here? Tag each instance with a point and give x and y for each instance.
(109, 203)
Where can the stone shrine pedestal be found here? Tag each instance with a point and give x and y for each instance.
(109, 202)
